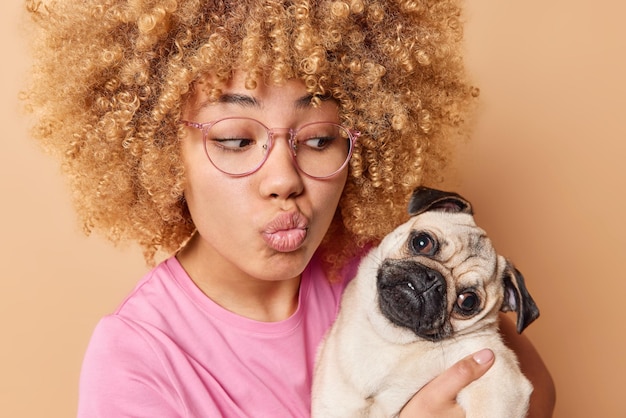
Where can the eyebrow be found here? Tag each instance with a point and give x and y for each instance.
(244, 100)
(239, 99)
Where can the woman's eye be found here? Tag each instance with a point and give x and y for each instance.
(235, 144)
(467, 302)
(423, 244)
(318, 143)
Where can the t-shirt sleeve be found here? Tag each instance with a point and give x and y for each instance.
(122, 376)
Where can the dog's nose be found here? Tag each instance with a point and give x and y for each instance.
(413, 296)
(410, 276)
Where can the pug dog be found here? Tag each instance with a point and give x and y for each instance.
(426, 297)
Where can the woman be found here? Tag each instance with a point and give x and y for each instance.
(263, 146)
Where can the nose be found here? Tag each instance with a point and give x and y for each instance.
(280, 178)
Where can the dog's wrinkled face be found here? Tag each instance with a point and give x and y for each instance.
(438, 276)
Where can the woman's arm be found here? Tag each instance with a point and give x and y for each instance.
(543, 398)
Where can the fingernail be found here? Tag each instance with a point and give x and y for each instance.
(483, 356)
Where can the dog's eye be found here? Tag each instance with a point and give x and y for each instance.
(467, 303)
(422, 243)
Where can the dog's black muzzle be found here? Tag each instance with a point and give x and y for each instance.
(413, 296)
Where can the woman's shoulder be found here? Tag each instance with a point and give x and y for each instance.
(155, 288)
(332, 285)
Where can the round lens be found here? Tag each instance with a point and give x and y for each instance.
(322, 148)
(236, 146)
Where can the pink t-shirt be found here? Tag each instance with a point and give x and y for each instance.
(169, 351)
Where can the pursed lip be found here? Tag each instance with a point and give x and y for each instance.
(286, 232)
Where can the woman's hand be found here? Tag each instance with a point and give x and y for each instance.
(437, 399)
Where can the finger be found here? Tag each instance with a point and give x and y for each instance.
(445, 387)
(438, 397)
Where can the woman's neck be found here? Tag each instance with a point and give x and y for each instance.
(260, 300)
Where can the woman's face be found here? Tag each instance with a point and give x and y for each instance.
(266, 225)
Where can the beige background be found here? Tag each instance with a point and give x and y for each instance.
(545, 172)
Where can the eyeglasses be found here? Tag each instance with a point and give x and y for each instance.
(239, 146)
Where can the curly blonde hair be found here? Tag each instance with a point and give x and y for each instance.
(111, 77)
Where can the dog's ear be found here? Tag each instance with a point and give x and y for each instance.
(517, 298)
(425, 199)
